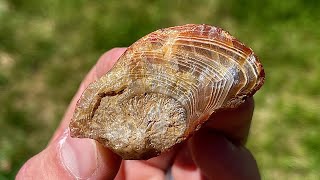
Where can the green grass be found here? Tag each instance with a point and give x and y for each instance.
(46, 48)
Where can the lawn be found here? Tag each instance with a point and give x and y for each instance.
(46, 48)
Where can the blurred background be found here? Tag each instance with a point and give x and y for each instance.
(47, 47)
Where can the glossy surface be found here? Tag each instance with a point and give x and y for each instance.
(164, 87)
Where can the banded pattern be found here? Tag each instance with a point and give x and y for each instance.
(181, 74)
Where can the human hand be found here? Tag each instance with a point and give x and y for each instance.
(215, 152)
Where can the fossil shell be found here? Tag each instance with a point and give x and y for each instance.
(164, 87)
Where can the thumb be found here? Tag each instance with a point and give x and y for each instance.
(71, 158)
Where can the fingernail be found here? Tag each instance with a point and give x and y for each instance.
(79, 156)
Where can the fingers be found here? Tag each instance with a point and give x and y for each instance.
(218, 158)
(233, 123)
(154, 168)
(135, 169)
(212, 156)
(216, 151)
(163, 161)
(72, 158)
(184, 166)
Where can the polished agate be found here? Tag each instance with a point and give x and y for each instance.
(164, 87)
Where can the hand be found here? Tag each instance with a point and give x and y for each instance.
(215, 152)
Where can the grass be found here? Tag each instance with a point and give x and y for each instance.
(46, 48)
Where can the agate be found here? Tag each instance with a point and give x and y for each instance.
(164, 87)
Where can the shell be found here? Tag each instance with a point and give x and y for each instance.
(164, 87)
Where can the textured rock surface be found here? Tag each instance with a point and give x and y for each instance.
(164, 87)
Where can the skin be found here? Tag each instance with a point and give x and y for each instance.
(216, 151)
